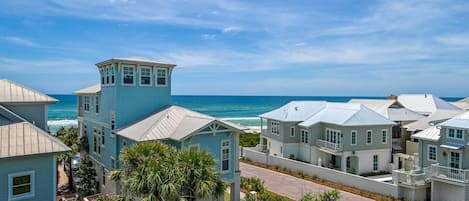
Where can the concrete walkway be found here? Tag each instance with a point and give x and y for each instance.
(290, 186)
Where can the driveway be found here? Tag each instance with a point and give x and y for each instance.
(290, 186)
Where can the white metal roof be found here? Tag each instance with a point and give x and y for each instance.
(313, 112)
(435, 117)
(20, 138)
(378, 105)
(173, 122)
(11, 92)
(431, 133)
(424, 103)
(135, 60)
(403, 114)
(460, 121)
(94, 89)
(463, 103)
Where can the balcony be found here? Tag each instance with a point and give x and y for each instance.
(453, 174)
(335, 147)
(412, 178)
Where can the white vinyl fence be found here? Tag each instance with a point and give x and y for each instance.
(335, 176)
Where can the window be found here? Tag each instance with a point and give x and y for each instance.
(113, 123)
(194, 147)
(369, 137)
(384, 136)
(304, 136)
(102, 76)
(145, 76)
(161, 77)
(96, 102)
(103, 136)
(113, 73)
(21, 185)
(375, 162)
(225, 155)
(354, 137)
(128, 75)
(107, 75)
(459, 134)
(104, 176)
(347, 163)
(95, 141)
(292, 132)
(432, 152)
(86, 103)
(275, 127)
(451, 133)
(113, 162)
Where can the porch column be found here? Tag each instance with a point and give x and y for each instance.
(235, 187)
(343, 163)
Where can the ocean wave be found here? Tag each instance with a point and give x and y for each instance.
(239, 118)
(62, 122)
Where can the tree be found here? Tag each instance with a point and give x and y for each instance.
(69, 136)
(154, 171)
(87, 174)
(200, 180)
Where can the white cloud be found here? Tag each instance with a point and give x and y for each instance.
(208, 36)
(231, 29)
(461, 39)
(20, 41)
(44, 66)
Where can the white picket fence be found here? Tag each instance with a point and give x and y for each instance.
(335, 176)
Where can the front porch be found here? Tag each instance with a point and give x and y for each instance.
(337, 160)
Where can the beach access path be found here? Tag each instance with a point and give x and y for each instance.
(290, 186)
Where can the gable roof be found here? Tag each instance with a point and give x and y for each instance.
(435, 117)
(18, 137)
(385, 108)
(463, 103)
(93, 89)
(460, 121)
(431, 133)
(313, 112)
(173, 122)
(12, 92)
(424, 103)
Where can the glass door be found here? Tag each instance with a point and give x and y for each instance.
(455, 165)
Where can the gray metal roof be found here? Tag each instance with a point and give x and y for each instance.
(431, 133)
(424, 103)
(313, 112)
(173, 122)
(435, 117)
(94, 89)
(460, 121)
(11, 92)
(20, 138)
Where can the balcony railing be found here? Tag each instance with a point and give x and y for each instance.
(449, 173)
(412, 178)
(329, 145)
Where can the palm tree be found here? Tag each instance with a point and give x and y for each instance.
(154, 171)
(200, 178)
(69, 136)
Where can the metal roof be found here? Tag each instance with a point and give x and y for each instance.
(11, 92)
(20, 138)
(313, 112)
(94, 89)
(432, 133)
(173, 122)
(460, 121)
(403, 114)
(463, 104)
(435, 117)
(385, 108)
(424, 103)
(135, 60)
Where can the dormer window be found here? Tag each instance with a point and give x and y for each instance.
(455, 133)
(128, 75)
(161, 77)
(112, 75)
(102, 76)
(145, 76)
(107, 75)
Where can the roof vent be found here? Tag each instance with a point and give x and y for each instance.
(296, 108)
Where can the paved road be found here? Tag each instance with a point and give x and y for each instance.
(290, 186)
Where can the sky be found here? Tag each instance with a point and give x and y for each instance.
(298, 48)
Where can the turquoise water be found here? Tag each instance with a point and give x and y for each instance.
(239, 109)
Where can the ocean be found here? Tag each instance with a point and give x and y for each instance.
(238, 109)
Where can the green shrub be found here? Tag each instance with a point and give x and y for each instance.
(332, 195)
(302, 175)
(307, 197)
(252, 184)
(315, 176)
(249, 139)
(291, 156)
(351, 170)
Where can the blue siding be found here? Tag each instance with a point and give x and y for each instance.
(43, 167)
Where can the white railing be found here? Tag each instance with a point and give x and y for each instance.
(329, 145)
(450, 173)
(411, 178)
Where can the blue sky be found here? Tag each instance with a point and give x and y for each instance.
(359, 48)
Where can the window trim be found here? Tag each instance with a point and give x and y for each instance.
(377, 162)
(12, 197)
(385, 142)
(166, 77)
(140, 76)
(428, 152)
(272, 127)
(371, 137)
(292, 131)
(193, 146)
(221, 155)
(304, 136)
(113, 162)
(133, 73)
(85, 102)
(113, 75)
(352, 132)
(97, 101)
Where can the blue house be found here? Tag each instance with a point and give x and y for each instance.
(132, 104)
(27, 152)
